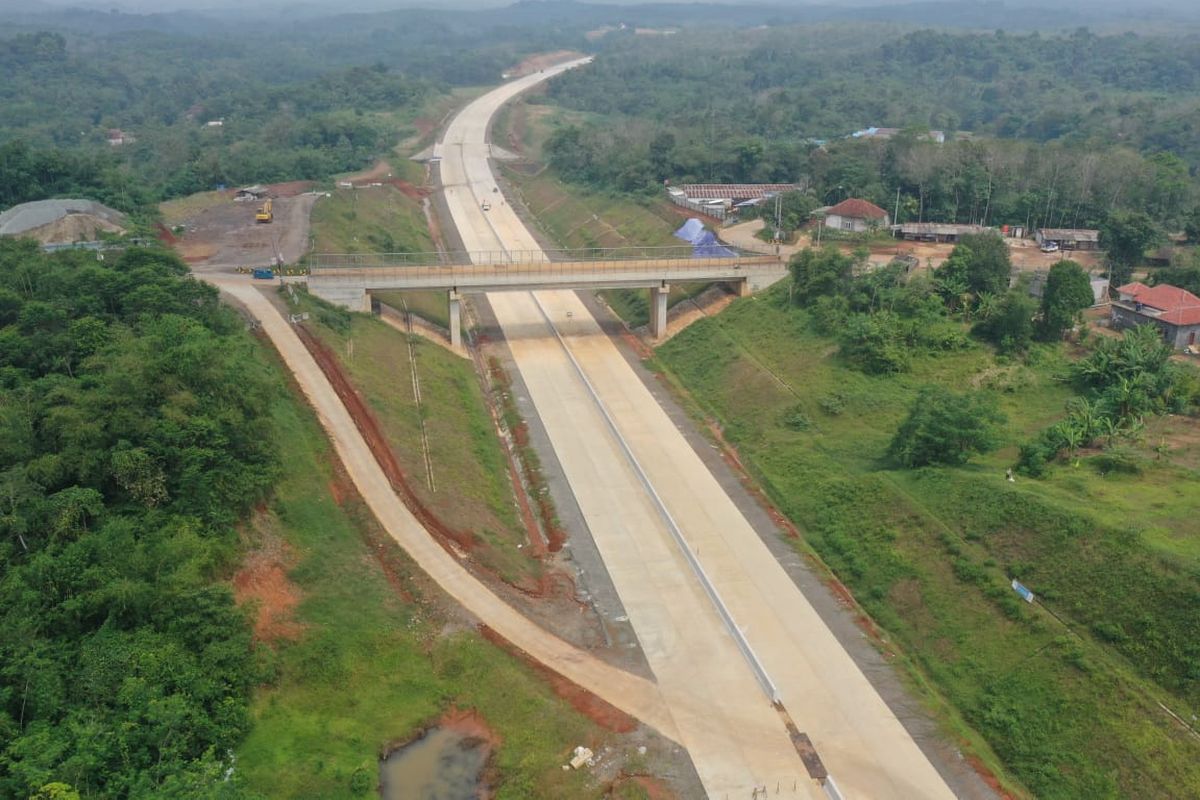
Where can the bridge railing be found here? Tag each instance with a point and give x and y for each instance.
(550, 272)
(505, 257)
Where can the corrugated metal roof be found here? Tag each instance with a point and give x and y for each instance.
(735, 191)
(28, 216)
(939, 228)
(1070, 234)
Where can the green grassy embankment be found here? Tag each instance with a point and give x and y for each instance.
(1070, 710)
(375, 656)
(430, 306)
(377, 219)
(473, 492)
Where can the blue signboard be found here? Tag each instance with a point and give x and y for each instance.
(1026, 595)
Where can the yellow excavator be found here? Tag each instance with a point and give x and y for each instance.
(264, 212)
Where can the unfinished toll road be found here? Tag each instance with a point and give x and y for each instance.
(660, 520)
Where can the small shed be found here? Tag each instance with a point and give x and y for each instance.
(1069, 238)
(251, 193)
(935, 231)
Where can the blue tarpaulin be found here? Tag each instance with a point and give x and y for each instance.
(704, 242)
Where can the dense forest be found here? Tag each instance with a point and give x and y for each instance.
(321, 97)
(130, 444)
(1056, 131)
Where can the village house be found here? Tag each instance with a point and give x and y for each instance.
(118, 137)
(1175, 311)
(855, 215)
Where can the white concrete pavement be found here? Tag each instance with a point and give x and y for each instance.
(736, 739)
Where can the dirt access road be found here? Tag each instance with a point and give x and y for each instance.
(640, 486)
(635, 696)
(1025, 253)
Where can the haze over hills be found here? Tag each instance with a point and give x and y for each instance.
(1019, 15)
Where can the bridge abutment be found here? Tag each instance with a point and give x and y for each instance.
(658, 309)
(351, 297)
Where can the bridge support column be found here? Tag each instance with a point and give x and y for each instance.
(742, 288)
(658, 310)
(455, 319)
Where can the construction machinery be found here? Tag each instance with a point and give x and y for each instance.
(264, 212)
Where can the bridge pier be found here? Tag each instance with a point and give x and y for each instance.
(455, 301)
(658, 309)
(742, 288)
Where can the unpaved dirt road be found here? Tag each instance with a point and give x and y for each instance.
(1025, 253)
(630, 468)
(635, 696)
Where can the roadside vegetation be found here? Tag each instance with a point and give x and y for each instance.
(132, 420)
(373, 219)
(380, 653)
(465, 479)
(896, 466)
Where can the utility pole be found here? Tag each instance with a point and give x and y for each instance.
(778, 220)
(896, 216)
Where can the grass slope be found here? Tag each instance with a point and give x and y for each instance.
(1071, 710)
(374, 665)
(431, 306)
(378, 219)
(473, 491)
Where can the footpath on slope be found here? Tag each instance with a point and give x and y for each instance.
(633, 695)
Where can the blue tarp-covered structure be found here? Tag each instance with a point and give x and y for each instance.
(704, 242)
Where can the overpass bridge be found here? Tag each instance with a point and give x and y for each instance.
(348, 280)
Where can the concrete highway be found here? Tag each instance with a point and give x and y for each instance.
(633, 473)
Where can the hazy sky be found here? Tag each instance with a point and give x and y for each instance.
(341, 6)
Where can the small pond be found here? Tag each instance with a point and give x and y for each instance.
(442, 765)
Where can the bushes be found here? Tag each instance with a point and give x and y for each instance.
(1123, 380)
(946, 428)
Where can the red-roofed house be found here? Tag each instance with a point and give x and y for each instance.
(856, 216)
(1175, 311)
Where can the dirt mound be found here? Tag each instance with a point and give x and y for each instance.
(263, 582)
(289, 189)
(74, 228)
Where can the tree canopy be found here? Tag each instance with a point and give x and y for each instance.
(131, 440)
(946, 428)
(1068, 291)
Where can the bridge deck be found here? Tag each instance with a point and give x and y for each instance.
(524, 275)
